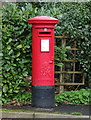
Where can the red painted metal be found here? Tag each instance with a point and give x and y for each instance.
(43, 19)
(43, 60)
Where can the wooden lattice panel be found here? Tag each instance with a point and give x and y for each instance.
(69, 73)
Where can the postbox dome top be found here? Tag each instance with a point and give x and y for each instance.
(43, 19)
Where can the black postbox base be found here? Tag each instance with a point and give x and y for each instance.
(43, 96)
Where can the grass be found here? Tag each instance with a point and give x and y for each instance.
(76, 113)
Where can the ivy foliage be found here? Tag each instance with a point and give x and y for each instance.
(74, 21)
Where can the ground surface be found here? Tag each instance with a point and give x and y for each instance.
(62, 108)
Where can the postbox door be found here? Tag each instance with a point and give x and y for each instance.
(44, 63)
(47, 61)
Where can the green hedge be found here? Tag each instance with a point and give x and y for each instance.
(16, 39)
(75, 22)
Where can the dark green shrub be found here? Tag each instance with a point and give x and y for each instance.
(16, 40)
(23, 97)
(82, 96)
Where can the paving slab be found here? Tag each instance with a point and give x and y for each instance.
(46, 115)
(7, 114)
(34, 115)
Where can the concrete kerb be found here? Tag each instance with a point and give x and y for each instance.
(46, 115)
(6, 114)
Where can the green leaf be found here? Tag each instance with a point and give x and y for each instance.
(10, 52)
(25, 73)
(19, 46)
(18, 54)
(1, 54)
(8, 47)
(5, 88)
(9, 41)
(59, 64)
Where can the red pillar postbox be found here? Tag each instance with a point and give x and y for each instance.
(43, 60)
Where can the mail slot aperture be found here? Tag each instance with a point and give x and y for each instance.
(44, 32)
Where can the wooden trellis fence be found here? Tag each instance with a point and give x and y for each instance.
(70, 73)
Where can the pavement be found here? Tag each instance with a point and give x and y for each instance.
(61, 112)
(62, 108)
(36, 115)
